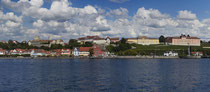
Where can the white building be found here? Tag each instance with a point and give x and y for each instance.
(170, 53)
(76, 51)
(59, 41)
(37, 53)
(99, 41)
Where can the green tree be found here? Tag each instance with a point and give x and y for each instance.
(123, 41)
(56, 46)
(45, 48)
(162, 39)
(91, 52)
(87, 44)
(130, 53)
(110, 48)
(74, 43)
(123, 47)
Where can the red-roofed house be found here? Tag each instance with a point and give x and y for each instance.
(84, 51)
(39, 52)
(2, 51)
(197, 53)
(19, 52)
(114, 40)
(98, 51)
(82, 40)
(66, 52)
(56, 52)
(3, 41)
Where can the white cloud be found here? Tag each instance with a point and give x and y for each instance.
(38, 23)
(19, 6)
(153, 18)
(206, 21)
(59, 10)
(10, 16)
(151, 13)
(36, 3)
(62, 20)
(54, 23)
(118, 13)
(12, 24)
(186, 15)
(88, 10)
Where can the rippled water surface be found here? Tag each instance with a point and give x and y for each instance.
(105, 75)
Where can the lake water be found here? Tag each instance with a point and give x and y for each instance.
(105, 75)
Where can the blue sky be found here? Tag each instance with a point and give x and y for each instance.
(23, 19)
(200, 7)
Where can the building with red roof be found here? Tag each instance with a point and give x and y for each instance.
(47, 43)
(183, 40)
(197, 53)
(98, 51)
(98, 40)
(2, 51)
(84, 51)
(39, 52)
(114, 40)
(19, 52)
(66, 52)
(82, 40)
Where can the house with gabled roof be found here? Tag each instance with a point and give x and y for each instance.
(2, 51)
(84, 51)
(66, 52)
(76, 51)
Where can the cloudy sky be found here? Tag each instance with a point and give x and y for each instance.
(67, 19)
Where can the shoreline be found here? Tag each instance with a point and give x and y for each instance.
(115, 57)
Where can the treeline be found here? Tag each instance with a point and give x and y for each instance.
(10, 45)
(119, 47)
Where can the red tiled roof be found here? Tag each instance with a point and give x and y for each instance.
(2, 50)
(39, 51)
(82, 38)
(3, 41)
(114, 38)
(197, 52)
(99, 39)
(19, 50)
(66, 50)
(57, 50)
(84, 48)
(92, 37)
(88, 37)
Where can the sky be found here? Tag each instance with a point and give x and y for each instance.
(67, 19)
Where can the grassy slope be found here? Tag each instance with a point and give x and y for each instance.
(160, 49)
